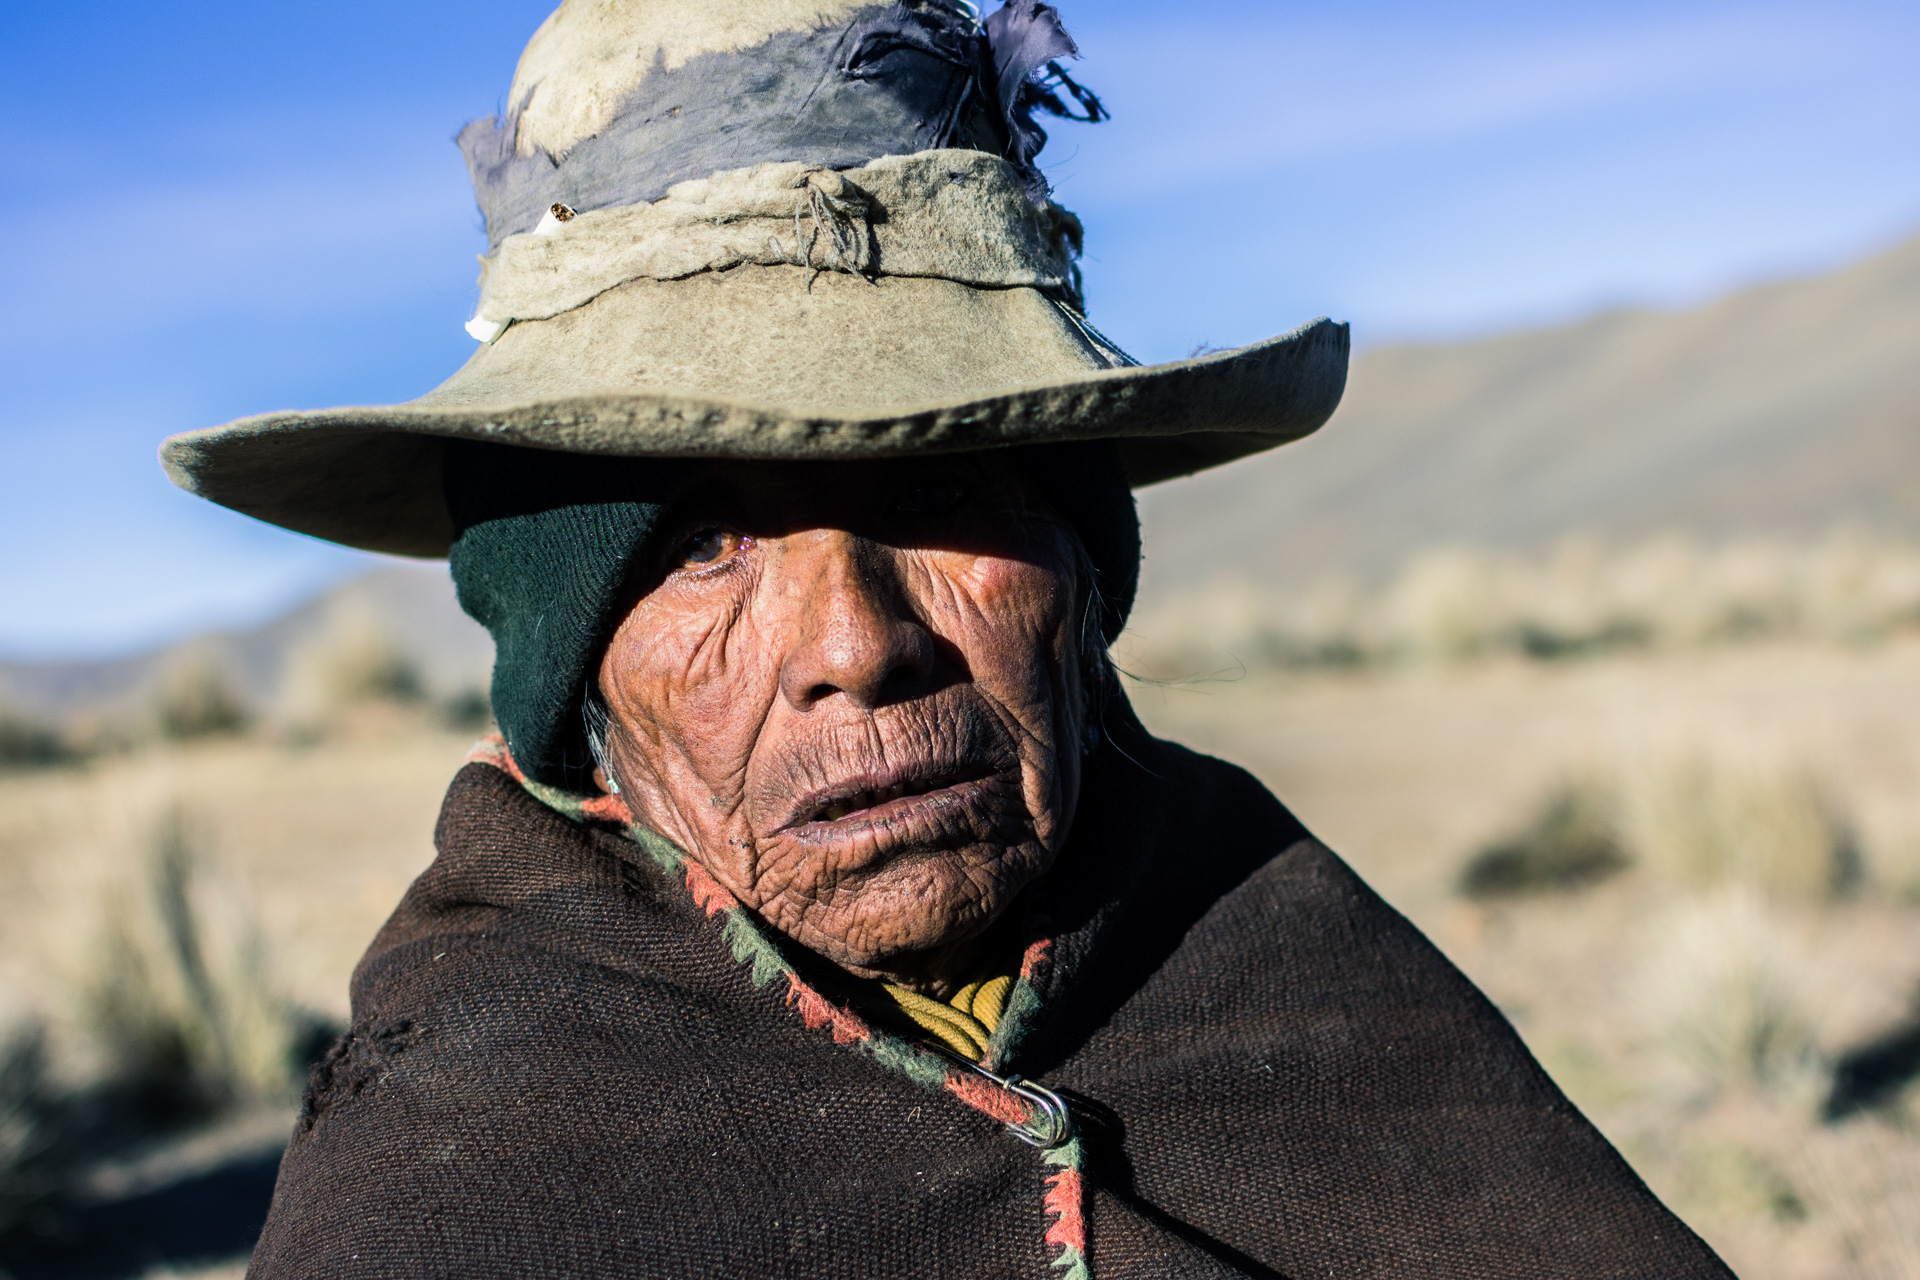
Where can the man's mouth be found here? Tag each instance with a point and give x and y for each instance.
(865, 802)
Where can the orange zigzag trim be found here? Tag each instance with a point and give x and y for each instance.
(608, 808)
(1035, 957)
(707, 891)
(981, 1095)
(817, 1011)
(1063, 1199)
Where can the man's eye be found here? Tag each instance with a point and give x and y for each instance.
(705, 547)
(931, 497)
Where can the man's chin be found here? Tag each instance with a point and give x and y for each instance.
(918, 910)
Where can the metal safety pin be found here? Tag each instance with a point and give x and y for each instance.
(1046, 1103)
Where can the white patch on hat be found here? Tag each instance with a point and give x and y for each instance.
(589, 55)
(485, 331)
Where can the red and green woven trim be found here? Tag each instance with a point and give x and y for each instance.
(750, 946)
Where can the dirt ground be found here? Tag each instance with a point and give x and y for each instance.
(1404, 773)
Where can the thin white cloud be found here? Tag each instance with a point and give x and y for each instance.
(1280, 93)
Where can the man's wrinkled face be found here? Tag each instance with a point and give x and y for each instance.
(852, 692)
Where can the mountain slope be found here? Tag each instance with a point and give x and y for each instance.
(1782, 409)
(410, 610)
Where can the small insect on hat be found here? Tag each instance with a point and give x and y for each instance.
(770, 229)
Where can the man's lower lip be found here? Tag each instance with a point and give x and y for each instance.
(959, 793)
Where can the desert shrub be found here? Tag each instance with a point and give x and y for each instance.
(352, 664)
(1777, 830)
(1734, 998)
(25, 1134)
(1875, 1072)
(1571, 841)
(1697, 823)
(180, 1005)
(1438, 608)
(27, 743)
(196, 699)
(178, 1020)
(469, 711)
(377, 673)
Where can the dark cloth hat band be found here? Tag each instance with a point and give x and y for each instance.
(895, 79)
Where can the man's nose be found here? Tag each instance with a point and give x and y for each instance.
(855, 632)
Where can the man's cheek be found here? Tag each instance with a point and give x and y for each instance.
(1010, 609)
(995, 581)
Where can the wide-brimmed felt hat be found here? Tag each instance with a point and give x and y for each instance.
(770, 229)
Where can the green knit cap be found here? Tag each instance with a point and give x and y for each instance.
(548, 542)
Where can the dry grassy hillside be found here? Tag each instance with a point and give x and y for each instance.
(406, 612)
(1780, 410)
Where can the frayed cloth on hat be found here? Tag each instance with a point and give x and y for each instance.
(1027, 39)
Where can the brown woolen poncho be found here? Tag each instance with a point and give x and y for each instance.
(573, 1055)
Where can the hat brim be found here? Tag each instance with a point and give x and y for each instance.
(371, 477)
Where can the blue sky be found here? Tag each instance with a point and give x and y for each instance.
(215, 208)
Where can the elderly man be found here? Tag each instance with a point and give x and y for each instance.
(822, 909)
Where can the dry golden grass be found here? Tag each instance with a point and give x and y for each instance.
(311, 845)
(1694, 1005)
(1584, 597)
(180, 998)
(177, 923)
